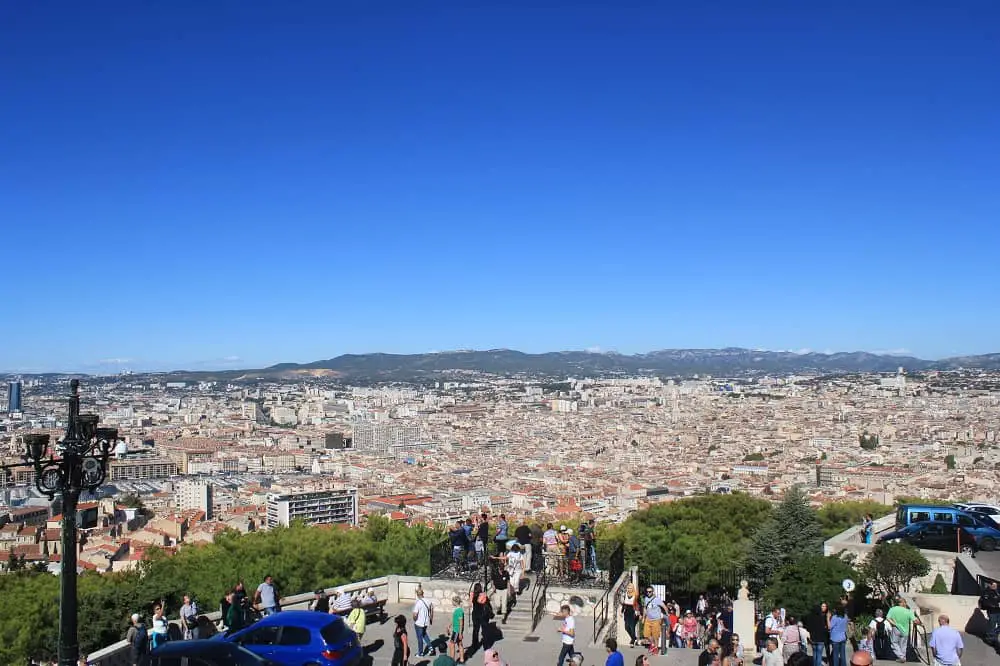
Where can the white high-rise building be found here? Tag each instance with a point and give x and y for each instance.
(385, 436)
(314, 507)
(194, 494)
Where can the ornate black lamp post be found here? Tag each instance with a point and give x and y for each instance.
(79, 462)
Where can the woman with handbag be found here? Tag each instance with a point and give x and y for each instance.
(791, 638)
(630, 607)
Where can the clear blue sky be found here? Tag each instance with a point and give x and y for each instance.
(238, 182)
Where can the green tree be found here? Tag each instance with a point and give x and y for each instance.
(793, 531)
(753, 457)
(801, 585)
(891, 566)
(301, 558)
(939, 586)
(868, 442)
(839, 516)
(913, 499)
(949, 461)
(705, 535)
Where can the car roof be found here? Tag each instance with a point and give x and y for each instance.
(932, 507)
(298, 618)
(196, 647)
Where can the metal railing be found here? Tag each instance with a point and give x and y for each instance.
(606, 609)
(919, 641)
(539, 593)
(584, 570)
(445, 563)
(984, 581)
(685, 585)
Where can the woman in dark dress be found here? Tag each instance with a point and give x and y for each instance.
(400, 643)
(482, 613)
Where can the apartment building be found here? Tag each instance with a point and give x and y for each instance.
(314, 507)
(194, 494)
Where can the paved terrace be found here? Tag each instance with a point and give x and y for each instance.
(519, 644)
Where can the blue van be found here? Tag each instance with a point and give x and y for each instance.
(907, 514)
(987, 535)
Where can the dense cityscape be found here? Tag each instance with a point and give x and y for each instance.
(204, 456)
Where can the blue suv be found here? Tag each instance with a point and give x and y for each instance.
(301, 638)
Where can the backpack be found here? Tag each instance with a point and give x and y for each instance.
(880, 630)
(760, 633)
(140, 641)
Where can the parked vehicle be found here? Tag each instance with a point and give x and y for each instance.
(301, 638)
(981, 509)
(935, 536)
(908, 514)
(203, 653)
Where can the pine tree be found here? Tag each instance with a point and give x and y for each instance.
(792, 532)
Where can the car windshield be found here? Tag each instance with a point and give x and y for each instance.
(336, 633)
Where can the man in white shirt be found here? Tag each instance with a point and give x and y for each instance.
(771, 656)
(772, 625)
(567, 633)
(515, 567)
(189, 619)
(423, 617)
(266, 597)
(702, 606)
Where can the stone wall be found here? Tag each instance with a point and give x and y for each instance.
(395, 590)
(958, 608)
(117, 653)
(847, 542)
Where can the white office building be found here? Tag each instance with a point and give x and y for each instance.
(314, 507)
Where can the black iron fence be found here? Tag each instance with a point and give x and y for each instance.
(685, 586)
(539, 593)
(605, 609)
(598, 567)
(462, 565)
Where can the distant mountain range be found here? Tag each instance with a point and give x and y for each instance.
(727, 362)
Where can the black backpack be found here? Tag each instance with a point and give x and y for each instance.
(140, 641)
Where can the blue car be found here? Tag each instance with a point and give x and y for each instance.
(203, 653)
(301, 638)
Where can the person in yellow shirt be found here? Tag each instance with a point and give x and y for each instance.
(356, 620)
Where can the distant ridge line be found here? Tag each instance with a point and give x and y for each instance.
(726, 362)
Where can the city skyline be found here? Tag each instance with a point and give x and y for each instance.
(237, 185)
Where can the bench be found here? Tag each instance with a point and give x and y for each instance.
(373, 612)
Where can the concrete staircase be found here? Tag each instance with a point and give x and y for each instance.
(518, 623)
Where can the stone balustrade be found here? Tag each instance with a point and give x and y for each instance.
(117, 654)
(395, 590)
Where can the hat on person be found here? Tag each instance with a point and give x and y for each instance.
(135, 617)
(569, 531)
(562, 528)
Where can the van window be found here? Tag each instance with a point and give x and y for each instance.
(966, 521)
(901, 517)
(943, 517)
(919, 516)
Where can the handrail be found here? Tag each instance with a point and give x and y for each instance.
(917, 634)
(601, 614)
(538, 595)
